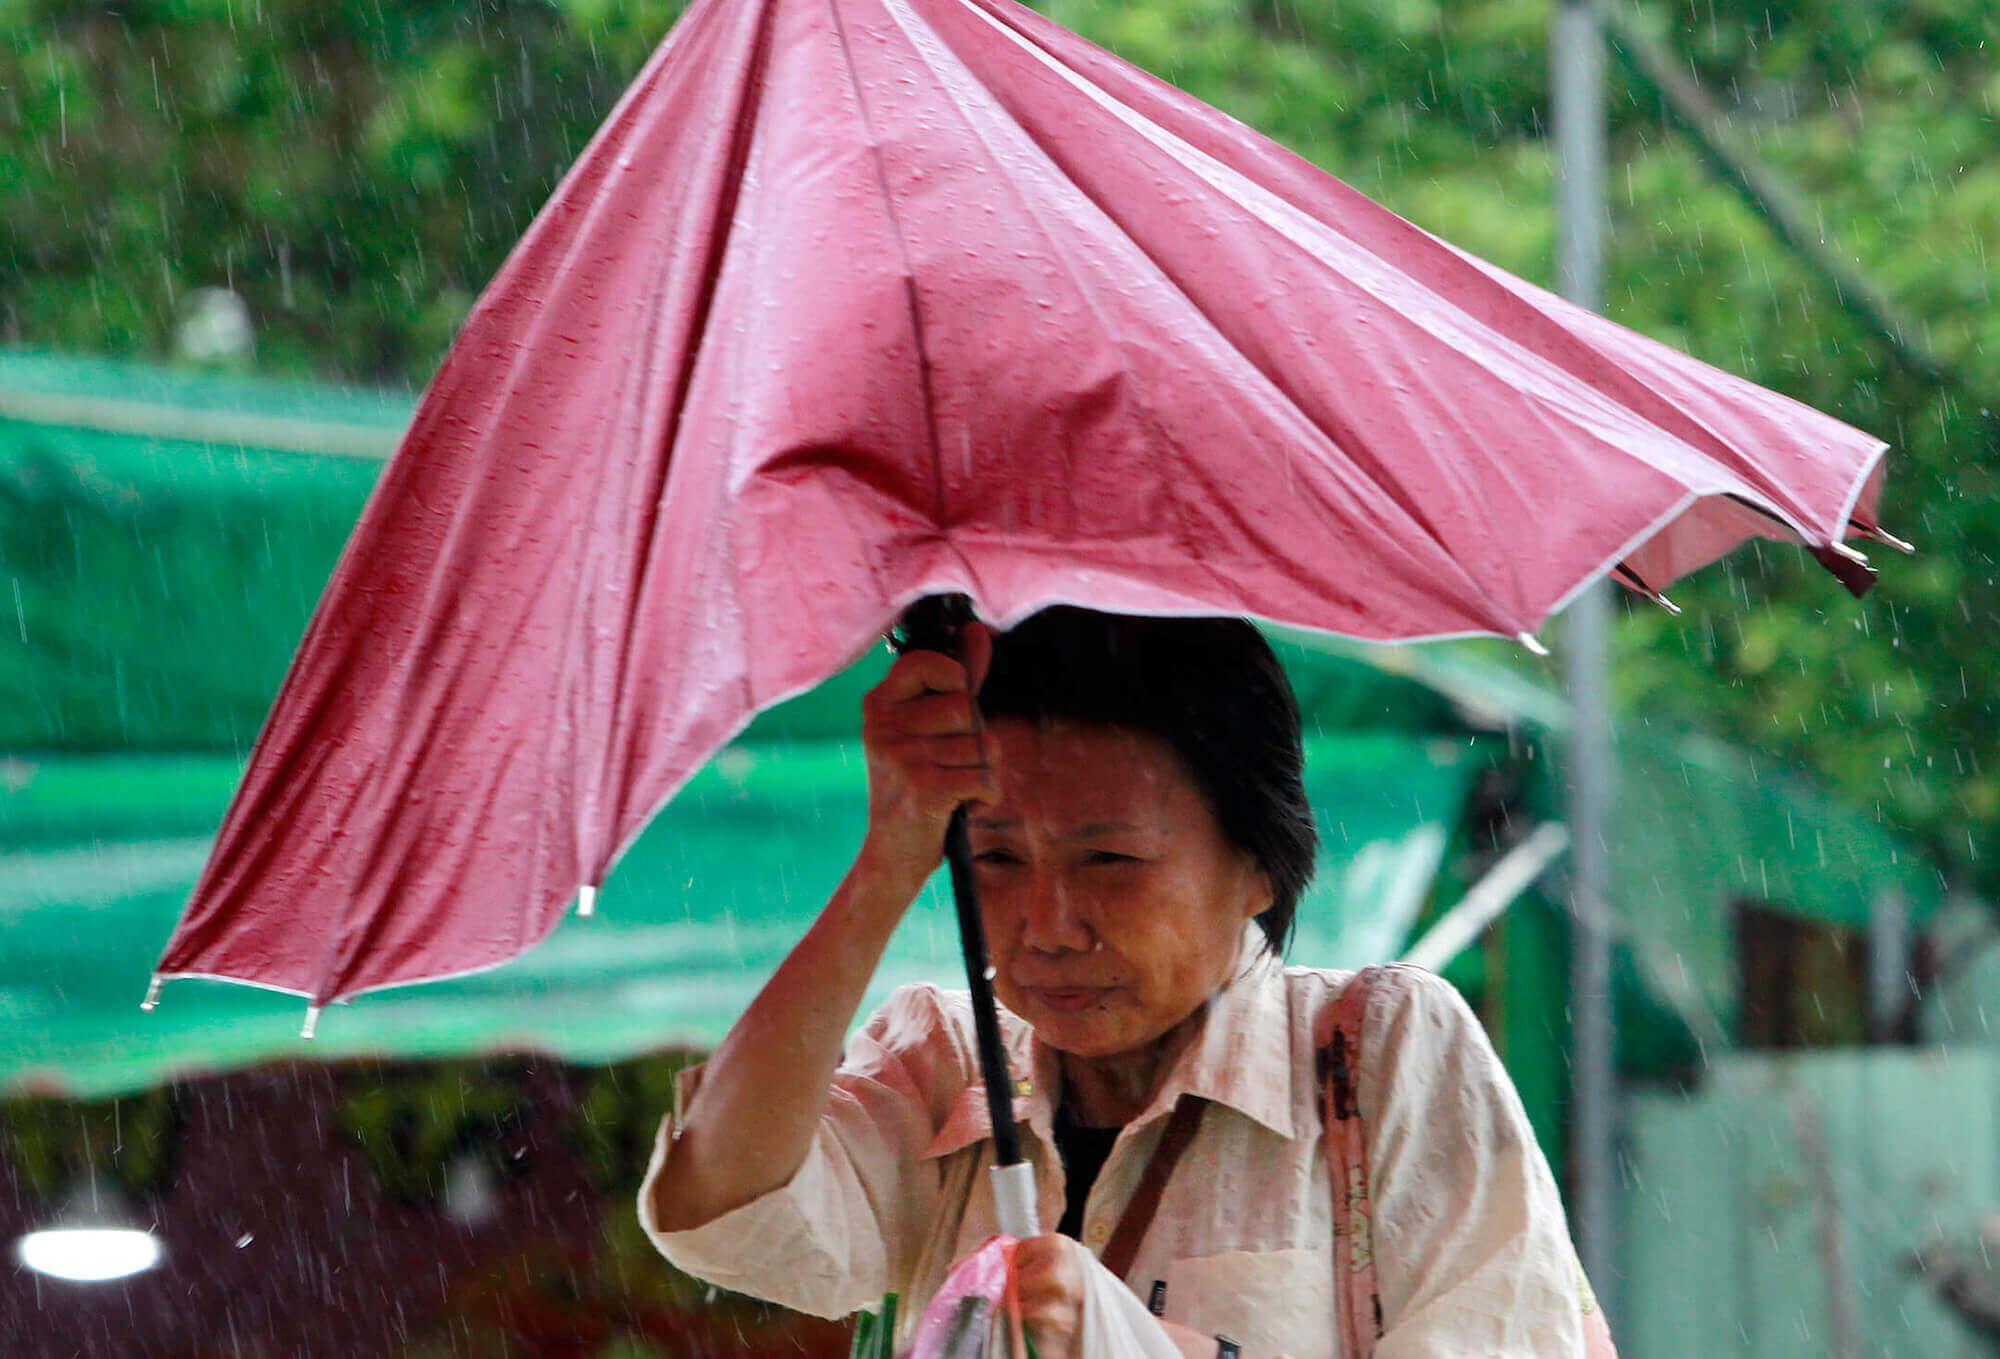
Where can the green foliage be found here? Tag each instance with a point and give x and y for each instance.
(410, 1124)
(51, 1146)
(1886, 118)
(357, 170)
(618, 1114)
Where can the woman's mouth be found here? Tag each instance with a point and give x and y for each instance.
(1070, 999)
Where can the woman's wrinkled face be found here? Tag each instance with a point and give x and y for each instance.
(1113, 904)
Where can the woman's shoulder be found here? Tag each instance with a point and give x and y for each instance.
(1388, 1000)
(924, 1022)
(1382, 979)
(917, 1014)
(1419, 1041)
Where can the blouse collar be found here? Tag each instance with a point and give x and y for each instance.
(1241, 1057)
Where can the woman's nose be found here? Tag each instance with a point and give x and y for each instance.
(1051, 922)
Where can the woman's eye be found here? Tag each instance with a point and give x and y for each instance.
(996, 856)
(1105, 856)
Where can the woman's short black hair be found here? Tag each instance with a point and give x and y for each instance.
(1212, 689)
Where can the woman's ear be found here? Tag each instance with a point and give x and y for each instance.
(1258, 894)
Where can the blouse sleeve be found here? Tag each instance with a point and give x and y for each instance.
(1472, 1251)
(841, 1232)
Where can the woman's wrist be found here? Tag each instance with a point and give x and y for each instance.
(889, 874)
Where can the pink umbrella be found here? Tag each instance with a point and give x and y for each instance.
(852, 302)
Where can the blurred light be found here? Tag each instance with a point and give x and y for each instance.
(213, 326)
(89, 1254)
(471, 1194)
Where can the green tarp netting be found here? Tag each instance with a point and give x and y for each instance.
(1699, 825)
(155, 571)
(101, 852)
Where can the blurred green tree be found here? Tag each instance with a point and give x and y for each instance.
(355, 170)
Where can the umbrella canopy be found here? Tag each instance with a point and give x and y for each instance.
(144, 505)
(856, 301)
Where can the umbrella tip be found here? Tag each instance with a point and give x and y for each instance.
(1532, 642)
(1868, 528)
(312, 1022)
(586, 900)
(152, 999)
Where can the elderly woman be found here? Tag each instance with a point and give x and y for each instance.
(1140, 837)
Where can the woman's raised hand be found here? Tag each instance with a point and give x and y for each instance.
(927, 753)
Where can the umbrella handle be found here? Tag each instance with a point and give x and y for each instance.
(935, 623)
(1014, 1200)
(979, 980)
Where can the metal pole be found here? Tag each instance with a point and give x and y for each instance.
(1888, 966)
(1577, 83)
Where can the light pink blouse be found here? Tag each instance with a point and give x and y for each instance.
(1471, 1250)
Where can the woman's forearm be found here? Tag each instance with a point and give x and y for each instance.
(751, 1120)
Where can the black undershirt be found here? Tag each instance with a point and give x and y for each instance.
(1083, 1151)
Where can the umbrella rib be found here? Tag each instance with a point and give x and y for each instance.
(1686, 431)
(519, 368)
(1273, 381)
(1275, 378)
(741, 136)
(1662, 412)
(442, 581)
(1058, 254)
(903, 257)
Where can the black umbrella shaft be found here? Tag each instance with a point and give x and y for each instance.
(934, 624)
(979, 979)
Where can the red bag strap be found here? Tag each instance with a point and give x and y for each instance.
(1357, 1304)
(1123, 1246)
(1357, 1301)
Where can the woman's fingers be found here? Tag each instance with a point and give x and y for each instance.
(919, 672)
(927, 715)
(1046, 1262)
(910, 718)
(969, 751)
(928, 751)
(916, 673)
(1048, 1282)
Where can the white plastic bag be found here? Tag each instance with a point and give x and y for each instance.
(973, 1317)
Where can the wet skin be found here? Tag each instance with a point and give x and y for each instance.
(1113, 904)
